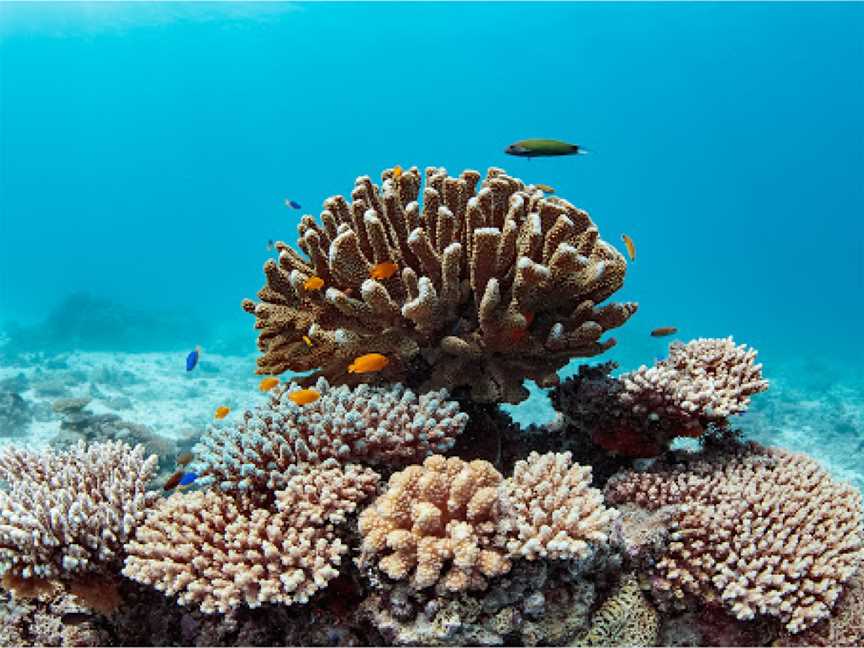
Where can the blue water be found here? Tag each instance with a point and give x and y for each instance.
(146, 150)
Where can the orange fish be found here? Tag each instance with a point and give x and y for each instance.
(529, 317)
(314, 283)
(184, 458)
(307, 341)
(172, 482)
(631, 249)
(222, 412)
(383, 270)
(268, 383)
(368, 363)
(397, 172)
(304, 396)
(544, 187)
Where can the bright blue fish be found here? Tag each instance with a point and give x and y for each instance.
(187, 479)
(293, 204)
(192, 358)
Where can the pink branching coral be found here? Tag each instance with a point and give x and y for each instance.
(220, 552)
(373, 425)
(765, 532)
(496, 283)
(68, 514)
(701, 384)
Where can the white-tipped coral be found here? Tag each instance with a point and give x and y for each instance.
(766, 532)
(67, 514)
(553, 511)
(220, 552)
(497, 284)
(373, 425)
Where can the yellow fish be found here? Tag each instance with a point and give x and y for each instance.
(383, 270)
(314, 283)
(368, 363)
(304, 396)
(307, 341)
(544, 187)
(268, 383)
(397, 172)
(631, 249)
(222, 412)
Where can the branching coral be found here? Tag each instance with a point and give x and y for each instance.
(68, 514)
(440, 516)
(495, 285)
(766, 532)
(220, 552)
(553, 510)
(376, 425)
(701, 384)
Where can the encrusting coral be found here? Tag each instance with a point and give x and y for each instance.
(68, 514)
(495, 285)
(373, 425)
(553, 510)
(764, 532)
(701, 384)
(220, 552)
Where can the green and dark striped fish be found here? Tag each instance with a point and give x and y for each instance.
(543, 148)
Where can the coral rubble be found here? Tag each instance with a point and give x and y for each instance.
(497, 284)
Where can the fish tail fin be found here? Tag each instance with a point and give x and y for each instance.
(582, 151)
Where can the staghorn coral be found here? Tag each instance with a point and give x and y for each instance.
(68, 514)
(764, 532)
(626, 618)
(377, 425)
(437, 524)
(552, 510)
(497, 284)
(700, 385)
(219, 552)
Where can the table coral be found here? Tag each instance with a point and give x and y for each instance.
(374, 425)
(68, 514)
(553, 510)
(220, 552)
(497, 284)
(764, 532)
(437, 522)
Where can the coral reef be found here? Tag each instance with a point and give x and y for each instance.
(15, 414)
(218, 552)
(375, 425)
(69, 514)
(496, 285)
(764, 532)
(625, 619)
(699, 386)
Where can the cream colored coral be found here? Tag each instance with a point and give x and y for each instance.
(219, 552)
(496, 284)
(437, 523)
(766, 533)
(552, 509)
(69, 513)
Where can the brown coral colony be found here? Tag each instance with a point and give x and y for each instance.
(498, 283)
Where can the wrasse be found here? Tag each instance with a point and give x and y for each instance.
(631, 249)
(368, 363)
(307, 341)
(543, 148)
(383, 270)
(268, 383)
(222, 412)
(544, 187)
(304, 396)
(187, 478)
(192, 358)
(293, 204)
(313, 283)
(663, 331)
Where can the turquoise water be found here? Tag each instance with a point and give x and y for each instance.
(147, 150)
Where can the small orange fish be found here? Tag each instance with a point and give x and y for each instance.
(314, 283)
(397, 172)
(368, 363)
(664, 331)
(631, 249)
(172, 482)
(222, 412)
(304, 396)
(268, 383)
(544, 187)
(383, 270)
(184, 458)
(529, 317)
(307, 341)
